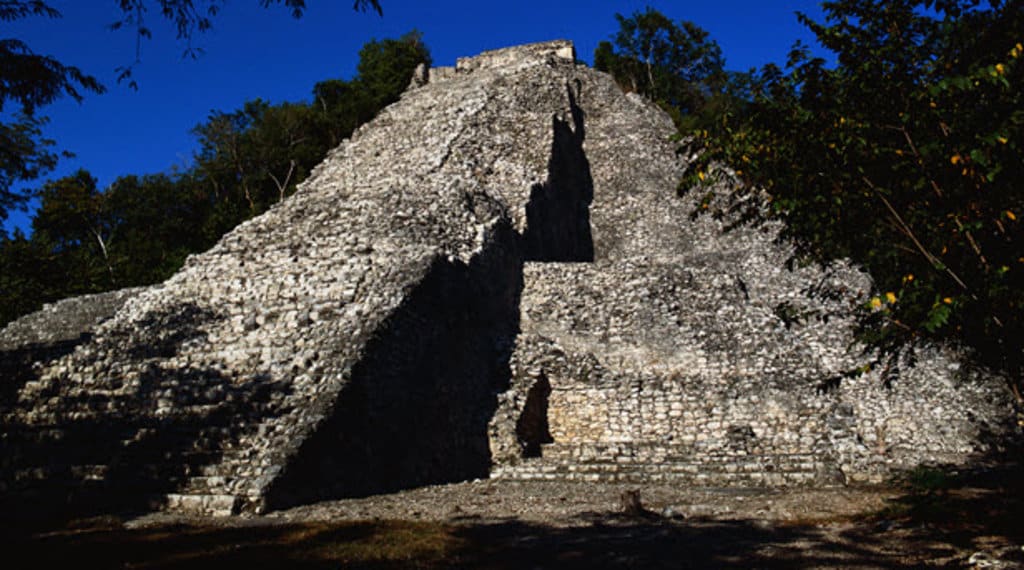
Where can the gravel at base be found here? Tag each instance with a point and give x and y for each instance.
(799, 527)
(563, 504)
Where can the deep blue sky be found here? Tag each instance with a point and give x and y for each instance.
(253, 52)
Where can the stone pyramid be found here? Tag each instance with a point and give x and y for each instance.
(492, 278)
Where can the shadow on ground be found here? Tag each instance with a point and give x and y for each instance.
(936, 525)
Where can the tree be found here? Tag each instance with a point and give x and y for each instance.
(254, 157)
(341, 106)
(159, 221)
(677, 65)
(385, 67)
(905, 157)
(137, 232)
(26, 276)
(73, 220)
(30, 81)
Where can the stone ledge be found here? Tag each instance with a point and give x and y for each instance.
(215, 505)
(513, 58)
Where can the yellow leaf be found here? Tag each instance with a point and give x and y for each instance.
(890, 297)
(1003, 140)
(908, 277)
(899, 152)
(1000, 69)
(947, 300)
(932, 104)
(955, 159)
(1011, 215)
(876, 303)
(700, 175)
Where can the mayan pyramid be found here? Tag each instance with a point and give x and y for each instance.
(494, 277)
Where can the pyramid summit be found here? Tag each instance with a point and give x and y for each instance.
(494, 277)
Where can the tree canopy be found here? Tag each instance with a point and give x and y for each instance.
(29, 81)
(676, 64)
(904, 157)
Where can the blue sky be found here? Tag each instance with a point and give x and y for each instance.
(253, 52)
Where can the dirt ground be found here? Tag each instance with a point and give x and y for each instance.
(939, 519)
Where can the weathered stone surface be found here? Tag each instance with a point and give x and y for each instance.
(49, 333)
(493, 276)
(690, 354)
(65, 320)
(349, 341)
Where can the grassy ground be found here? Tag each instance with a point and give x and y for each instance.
(942, 520)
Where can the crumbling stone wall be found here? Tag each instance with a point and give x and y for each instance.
(494, 275)
(692, 354)
(49, 333)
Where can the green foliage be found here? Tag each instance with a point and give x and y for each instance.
(28, 81)
(255, 156)
(677, 65)
(159, 221)
(140, 230)
(27, 278)
(905, 157)
(24, 155)
(386, 66)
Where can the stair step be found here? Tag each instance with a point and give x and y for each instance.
(205, 504)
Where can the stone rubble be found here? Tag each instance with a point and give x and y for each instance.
(493, 277)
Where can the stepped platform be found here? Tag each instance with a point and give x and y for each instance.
(493, 277)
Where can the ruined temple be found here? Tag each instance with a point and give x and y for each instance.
(494, 277)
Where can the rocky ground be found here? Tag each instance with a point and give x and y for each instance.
(565, 505)
(967, 520)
